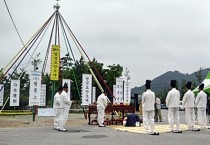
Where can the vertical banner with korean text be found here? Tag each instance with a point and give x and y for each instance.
(93, 95)
(55, 62)
(68, 81)
(43, 95)
(86, 89)
(1, 94)
(119, 90)
(35, 88)
(127, 93)
(114, 93)
(14, 92)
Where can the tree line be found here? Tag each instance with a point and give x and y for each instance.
(68, 70)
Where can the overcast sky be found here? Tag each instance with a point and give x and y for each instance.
(149, 37)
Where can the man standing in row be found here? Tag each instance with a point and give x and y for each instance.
(189, 104)
(65, 104)
(102, 103)
(172, 102)
(148, 102)
(200, 103)
(56, 107)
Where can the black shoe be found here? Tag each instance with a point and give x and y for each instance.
(101, 126)
(154, 133)
(177, 131)
(196, 129)
(63, 130)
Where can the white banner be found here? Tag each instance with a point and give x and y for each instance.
(127, 93)
(114, 93)
(86, 89)
(1, 94)
(35, 88)
(93, 94)
(14, 92)
(119, 90)
(68, 81)
(46, 112)
(43, 95)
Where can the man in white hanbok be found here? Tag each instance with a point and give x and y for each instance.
(189, 104)
(102, 103)
(57, 108)
(172, 102)
(65, 104)
(200, 103)
(148, 107)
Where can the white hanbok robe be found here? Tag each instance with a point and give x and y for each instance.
(189, 104)
(57, 110)
(65, 104)
(102, 102)
(148, 103)
(172, 102)
(200, 103)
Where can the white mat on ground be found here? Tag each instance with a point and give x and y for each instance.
(158, 128)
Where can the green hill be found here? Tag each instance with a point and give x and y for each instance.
(162, 82)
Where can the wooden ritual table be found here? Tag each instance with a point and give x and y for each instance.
(122, 108)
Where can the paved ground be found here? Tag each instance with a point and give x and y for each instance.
(26, 121)
(40, 132)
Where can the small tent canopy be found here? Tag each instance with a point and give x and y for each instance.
(206, 85)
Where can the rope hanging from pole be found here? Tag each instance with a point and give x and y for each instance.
(48, 48)
(78, 45)
(96, 80)
(91, 71)
(30, 42)
(69, 46)
(13, 22)
(22, 50)
(37, 45)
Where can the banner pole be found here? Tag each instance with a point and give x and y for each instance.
(53, 91)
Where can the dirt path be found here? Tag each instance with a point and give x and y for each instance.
(26, 121)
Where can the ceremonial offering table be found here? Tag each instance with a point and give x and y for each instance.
(122, 108)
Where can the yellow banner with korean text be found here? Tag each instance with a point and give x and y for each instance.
(55, 62)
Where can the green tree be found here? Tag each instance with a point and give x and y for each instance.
(24, 88)
(182, 88)
(65, 66)
(113, 72)
(199, 75)
(1, 72)
(46, 80)
(162, 95)
(100, 72)
(108, 75)
(36, 61)
(75, 70)
(6, 84)
(194, 85)
(66, 62)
